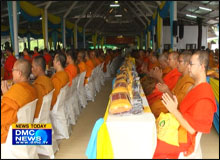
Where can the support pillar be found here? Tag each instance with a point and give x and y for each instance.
(174, 19)
(15, 27)
(75, 36)
(84, 38)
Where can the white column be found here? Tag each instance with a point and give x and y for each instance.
(64, 33)
(75, 36)
(46, 28)
(84, 38)
(15, 27)
(175, 19)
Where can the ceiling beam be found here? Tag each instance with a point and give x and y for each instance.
(141, 12)
(146, 6)
(86, 9)
(70, 9)
(158, 2)
(135, 14)
(94, 15)
(197, 4)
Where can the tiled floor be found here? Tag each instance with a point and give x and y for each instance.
(75, 146)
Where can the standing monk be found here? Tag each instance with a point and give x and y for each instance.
(195, 113)
(43, 84)
(9, 63)
(170, 79)
(21, 93)
(183, 86)
(26, 55)
(47, 57)
(35, 52)
(60, 78)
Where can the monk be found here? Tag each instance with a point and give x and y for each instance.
(153, 62)
(43, 84)
(21, 93)
(26, 55)
(9, 63)
(89, 66)
(164, 64)
(47, 57)
(170, 79)
(197, 104)
(35, 53)
(60, 78)
(93, 58)
(70, 69)
(183, 86)
(81, 63)
(107, 60)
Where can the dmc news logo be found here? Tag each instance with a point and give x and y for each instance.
(31, 134)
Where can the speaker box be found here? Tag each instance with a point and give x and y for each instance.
(174, 28)
(181, 31)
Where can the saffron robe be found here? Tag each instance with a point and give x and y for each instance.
(166, 70)
(9, 63)
(107, 59)
(27, 57)
(59, 80)
(48, 58)
(153, 65)
(97, 61)
(180, 90)
(170, 80)
(15, 98)
(90, 67)
(71, 70)
(197, 104)
(43, 85)
(82, 67)
(35, 54)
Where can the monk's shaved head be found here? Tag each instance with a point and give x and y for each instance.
(203, 58)
(24, 66)
(186, 56)
(40, 61)
(175, 55)
(163, 57)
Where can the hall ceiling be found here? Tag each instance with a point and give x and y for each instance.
(134, 15)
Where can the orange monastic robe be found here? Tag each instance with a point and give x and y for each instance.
(90, 67)
(35, 54)
(101, 59)
(82, 67)
(27, 57)
(43, 85)
(180, 90)
(15, 98)
(71, 70)
(48, 58)
(97, 61)
(59, 80)
(170, 80)
(197, 104)
(166, 70)
(107, 59)
(153, 65)
(9, 63)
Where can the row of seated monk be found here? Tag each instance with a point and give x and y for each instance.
(23, 92)
(176, 83)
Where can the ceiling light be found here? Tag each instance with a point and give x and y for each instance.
(207, 9)
(116, 1)
(114, 5)
(40, 18)
(118, 15)
(188, 15)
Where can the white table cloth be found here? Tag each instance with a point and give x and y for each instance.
(133, 136)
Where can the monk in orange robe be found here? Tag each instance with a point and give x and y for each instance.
(26, 55)
(71, 68)
(197, 104)
(170, 79)
(9, 63)
(43, 84)
(153, 62)
(60, 78)
(35, 53)
(81, 63)
(47, 57)
(21, 93)
(164, 64)
(89, 66)
(92, 57)
(183, 86)
(107, 60)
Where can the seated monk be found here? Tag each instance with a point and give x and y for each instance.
(26, 55)
(89, 66)
(107, 60)
(71, 68)
(35, 53)
(96, 59)
(43, 84)
(164, 64)
(182, 87)
(92, 57)
(9, 63)
(170, 79)
(60, 78)
(47, 57)
(21, 93)
(81, 63)
(153, 62)
(195, 112)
